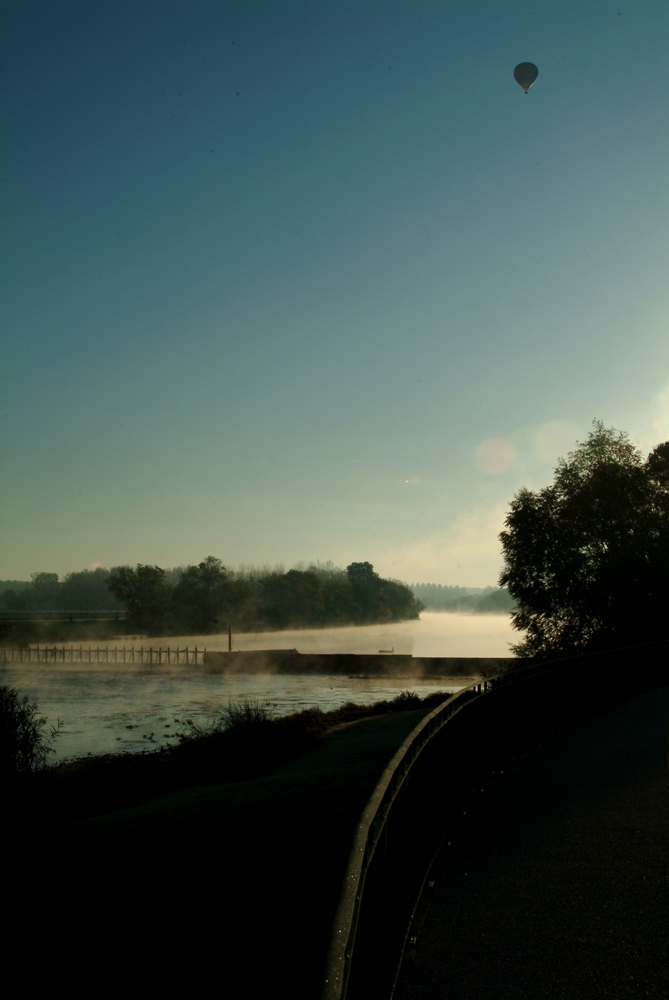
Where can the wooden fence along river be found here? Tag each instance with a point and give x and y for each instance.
(102, 654)
(259, 661)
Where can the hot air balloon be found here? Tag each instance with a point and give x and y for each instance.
(525, 74)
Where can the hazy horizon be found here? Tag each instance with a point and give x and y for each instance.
(283, 281)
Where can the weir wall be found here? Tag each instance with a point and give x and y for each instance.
(289, 661)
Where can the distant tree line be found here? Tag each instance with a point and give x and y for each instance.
(86, 590)
(480, 600)
(205, 598)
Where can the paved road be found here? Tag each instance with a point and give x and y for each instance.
(557, 885)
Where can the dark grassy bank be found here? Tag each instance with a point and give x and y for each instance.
(243, 741)
(227, 859)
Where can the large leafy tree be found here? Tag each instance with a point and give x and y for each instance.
(146, 594)
(587, 558)
(86, 590)
(377, 600)
(206, 598)
(42, 593)
(292, 598)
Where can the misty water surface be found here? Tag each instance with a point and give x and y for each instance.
(111, 708)
(436, 633)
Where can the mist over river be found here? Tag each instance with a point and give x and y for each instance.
(436, 633)
(110, 708)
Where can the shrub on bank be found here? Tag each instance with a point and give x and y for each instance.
(24, 744)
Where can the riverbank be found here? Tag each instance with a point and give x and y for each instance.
(234, 881)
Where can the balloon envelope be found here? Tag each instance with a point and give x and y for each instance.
(525, 74)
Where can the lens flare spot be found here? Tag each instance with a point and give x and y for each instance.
(555, 438)
(494, 455)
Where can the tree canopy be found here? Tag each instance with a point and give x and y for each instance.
(208, 597)
(587, 558)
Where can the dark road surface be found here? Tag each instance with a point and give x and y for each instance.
(557, 885)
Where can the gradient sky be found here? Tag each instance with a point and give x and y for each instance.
(289, 281)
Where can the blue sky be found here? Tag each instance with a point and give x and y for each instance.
(290, 281)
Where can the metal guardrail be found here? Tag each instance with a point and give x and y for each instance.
(152, 655)
(369, 832)
(372, 828)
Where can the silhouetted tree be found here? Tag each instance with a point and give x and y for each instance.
(379, 600)
(400, 600)
(86, 590)
(587, 558)
(42, 593)
(338, 605)
(13, 601)
(292, 598)
(145, 593)
(206, 599)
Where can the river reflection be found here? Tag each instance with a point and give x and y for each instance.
(113, 708)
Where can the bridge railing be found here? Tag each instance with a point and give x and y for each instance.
(421, 794)
(151, 655)
(60, 615)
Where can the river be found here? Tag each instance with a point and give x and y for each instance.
(109, 708)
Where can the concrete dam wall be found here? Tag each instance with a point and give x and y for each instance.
(289, 661)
